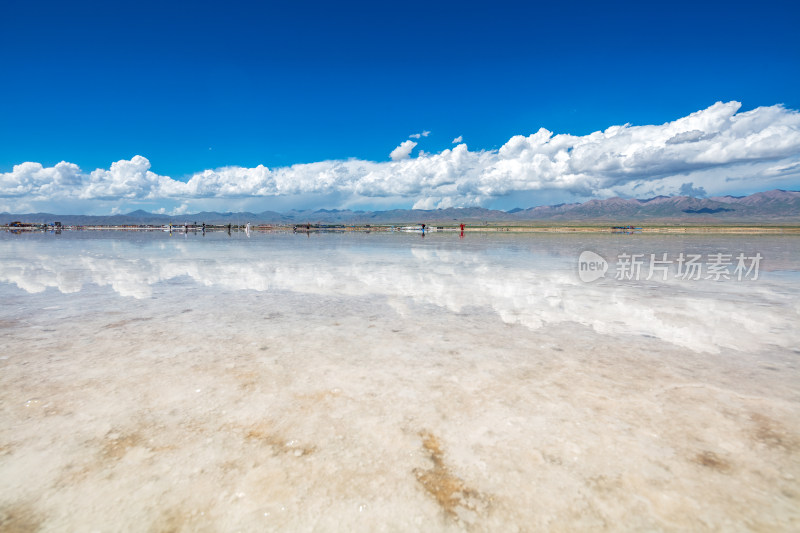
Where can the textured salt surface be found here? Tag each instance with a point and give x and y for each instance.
(385, 382)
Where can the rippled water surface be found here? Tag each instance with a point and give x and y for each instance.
(366, 382)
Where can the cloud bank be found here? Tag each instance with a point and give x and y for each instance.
(716, 150)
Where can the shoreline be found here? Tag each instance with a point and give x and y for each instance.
(743, 229)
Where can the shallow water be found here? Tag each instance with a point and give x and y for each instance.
(392, 382)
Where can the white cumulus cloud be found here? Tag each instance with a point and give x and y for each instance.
(715, 150)
(418, 135)
(32, 179)
(458, 139)
(125, 179)
(403, 151)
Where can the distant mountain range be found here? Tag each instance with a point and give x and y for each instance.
(776, 206)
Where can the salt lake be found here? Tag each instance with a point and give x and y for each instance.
(397, 382)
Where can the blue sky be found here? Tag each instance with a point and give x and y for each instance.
(199, 86)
